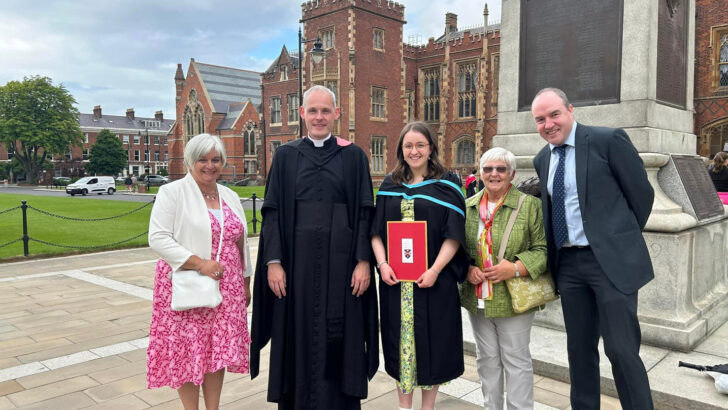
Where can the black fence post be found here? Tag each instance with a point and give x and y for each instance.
(24, 207)
(255, 219)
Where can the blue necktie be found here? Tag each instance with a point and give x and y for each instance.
(558, 209)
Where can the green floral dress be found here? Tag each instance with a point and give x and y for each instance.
(407, 358)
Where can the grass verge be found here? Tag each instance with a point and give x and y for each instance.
(97, 235)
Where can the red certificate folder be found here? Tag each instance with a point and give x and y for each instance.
(407, 249)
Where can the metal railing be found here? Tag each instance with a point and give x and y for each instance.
(26, 239)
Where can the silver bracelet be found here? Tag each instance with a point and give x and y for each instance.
(518, 274)
(379, 264)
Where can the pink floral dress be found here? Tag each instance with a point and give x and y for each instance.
(186, 345)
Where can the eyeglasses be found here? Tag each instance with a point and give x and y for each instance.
(419, 146)
(500, 169)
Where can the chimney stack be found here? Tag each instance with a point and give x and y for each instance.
(451, 22)
(158, 116)
(97, 111)
(130, 114)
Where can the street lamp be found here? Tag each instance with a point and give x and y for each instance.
(148, 154)
(317, 54)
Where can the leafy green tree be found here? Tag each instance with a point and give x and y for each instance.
(107, 156)
(37, 121)
(163, 171)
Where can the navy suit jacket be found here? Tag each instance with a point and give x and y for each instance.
(615, 199)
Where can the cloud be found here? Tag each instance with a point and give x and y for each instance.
(123, 54)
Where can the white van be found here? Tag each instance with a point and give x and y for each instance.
(89, 185)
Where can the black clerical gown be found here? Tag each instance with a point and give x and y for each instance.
(316, 218)
(437, 320)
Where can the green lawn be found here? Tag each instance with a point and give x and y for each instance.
(243, 191)
(66, 232)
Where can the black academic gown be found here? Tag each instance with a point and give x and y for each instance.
(316, 218)
(437, 319)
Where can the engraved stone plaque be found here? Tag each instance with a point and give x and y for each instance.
(672, 39)
(686, 181)
(574, 45)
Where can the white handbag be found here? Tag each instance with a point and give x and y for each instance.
(191, 289)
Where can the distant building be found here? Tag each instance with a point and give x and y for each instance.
(131, 130)
(221, 101)
(711, 76)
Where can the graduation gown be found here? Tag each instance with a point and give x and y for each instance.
(437, 321)
(316, 219)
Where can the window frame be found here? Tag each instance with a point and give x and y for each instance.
(719, 41)
(293, 112)
(378, 103)
(378, 154)
(327, 36)
(467, 89)
(457, 151)
(272, 109)
(432, 88)
(380, 31)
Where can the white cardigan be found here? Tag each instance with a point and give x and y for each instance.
(179, 226)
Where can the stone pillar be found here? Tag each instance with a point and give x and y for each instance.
(688, 298)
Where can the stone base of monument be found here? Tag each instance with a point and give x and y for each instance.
(672, 387)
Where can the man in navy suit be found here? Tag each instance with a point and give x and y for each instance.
(596, 200)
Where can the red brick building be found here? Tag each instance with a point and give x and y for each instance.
(144, 139)
(222, 101)
(711, 76)
(381, 83)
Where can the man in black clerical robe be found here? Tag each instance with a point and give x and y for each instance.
(311, 296)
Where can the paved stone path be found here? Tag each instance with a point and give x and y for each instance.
(74, 331)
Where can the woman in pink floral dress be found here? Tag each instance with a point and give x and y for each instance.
(194, 347)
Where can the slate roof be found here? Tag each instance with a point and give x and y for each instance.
(293, 58)
(227, 85)
(121, 122)
(473, 31)
(232, 114)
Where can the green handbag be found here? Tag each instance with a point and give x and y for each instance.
(526, 293)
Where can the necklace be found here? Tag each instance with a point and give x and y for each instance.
(211, 196)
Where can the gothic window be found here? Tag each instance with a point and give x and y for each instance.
(379, 39)
(723, 60)
(249, 167)
(410, 104)
(249, 141)
(284, 72)
(377, 154)
(275, 110)
(465, 152)
(292, 101)
(199, 121)
(378, 98)
(432, 95)
(467, 78)
(718, 137)
(327, 38)
(188, 128)
(494, 75)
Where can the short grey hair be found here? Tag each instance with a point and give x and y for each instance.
(201, 145)
(499, 154)
(557, 91)
(319, 88)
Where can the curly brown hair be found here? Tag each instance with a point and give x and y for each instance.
(402, 172)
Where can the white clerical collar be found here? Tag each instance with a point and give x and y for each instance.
(318, 143)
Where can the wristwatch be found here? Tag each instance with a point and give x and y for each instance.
(379, 264)
(518, 274)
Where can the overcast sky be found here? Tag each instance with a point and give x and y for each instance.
(123, 54)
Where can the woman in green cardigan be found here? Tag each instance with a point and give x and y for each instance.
(501, 335)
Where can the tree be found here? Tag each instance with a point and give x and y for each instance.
(37, 121)
(163, 171)
(107, 155)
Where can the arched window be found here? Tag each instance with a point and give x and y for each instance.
(188, 130)
(465, 152)
(249, 141)
(199, 120)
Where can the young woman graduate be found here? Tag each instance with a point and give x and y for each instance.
(420, 321)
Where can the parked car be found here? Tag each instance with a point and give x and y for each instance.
(154, 180)
(96, 185)
(120, 179)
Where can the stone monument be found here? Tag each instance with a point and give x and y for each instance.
(623, 65)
